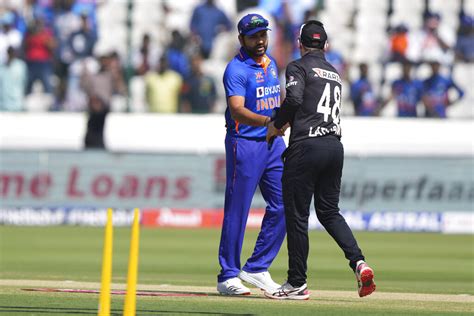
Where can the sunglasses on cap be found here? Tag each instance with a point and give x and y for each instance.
(256, 23)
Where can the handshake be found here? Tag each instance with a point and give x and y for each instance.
(272, 131)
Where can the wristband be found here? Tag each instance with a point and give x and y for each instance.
(267, 121)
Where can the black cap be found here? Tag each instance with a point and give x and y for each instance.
(313, 35)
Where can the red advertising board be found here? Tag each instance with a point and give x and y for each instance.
(193, 218)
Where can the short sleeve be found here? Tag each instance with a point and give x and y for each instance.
(234, 81)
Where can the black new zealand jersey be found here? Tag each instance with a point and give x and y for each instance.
(313, 98)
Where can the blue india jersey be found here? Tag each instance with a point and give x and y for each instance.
(435, 90)
(363, 96)
(407, 94)
(258, 84)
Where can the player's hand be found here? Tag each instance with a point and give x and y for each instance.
(272, 132)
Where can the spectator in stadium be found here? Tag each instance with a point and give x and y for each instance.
(88, 8)
(296, 13)
(465, 39)
(163, 88)
(199, 92)
(207, 21)
(81, 42)
(177, 59)
(118, 74)
(399, 43)
(65, 23)
(145, 58)
(336, 59)
(9, 35)
(44, 10)
(435, 92)
(97, 112)
(427, 43)
(106, 83)
(362, 94)
(26, 11)
(39, 45)
(407, 93)
(20, 22)
(12, 82)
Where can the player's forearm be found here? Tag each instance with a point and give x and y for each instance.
(285, 114)
(247, 117)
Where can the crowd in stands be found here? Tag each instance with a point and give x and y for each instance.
(51, 46)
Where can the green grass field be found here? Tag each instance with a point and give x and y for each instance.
(416, 274)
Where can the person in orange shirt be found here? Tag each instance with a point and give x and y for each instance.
(399, 43)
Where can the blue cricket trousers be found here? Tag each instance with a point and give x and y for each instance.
(250, 163)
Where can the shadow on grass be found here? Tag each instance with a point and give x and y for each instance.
(93, 311)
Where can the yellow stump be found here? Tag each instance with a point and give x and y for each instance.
(104, 302)
(130, 298)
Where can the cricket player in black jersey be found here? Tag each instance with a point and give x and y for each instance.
(313, 162)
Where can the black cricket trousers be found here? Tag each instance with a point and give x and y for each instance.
(314, 167)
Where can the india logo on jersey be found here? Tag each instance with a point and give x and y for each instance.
(326, 74)
(273, 72)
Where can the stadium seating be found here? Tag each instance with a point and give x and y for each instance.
(358, 31)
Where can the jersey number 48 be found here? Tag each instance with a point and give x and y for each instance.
(324, 104)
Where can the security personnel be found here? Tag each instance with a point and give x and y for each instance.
(313, 162)
(253, 90)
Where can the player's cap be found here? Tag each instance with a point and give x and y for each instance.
(251, 24)
(313, 35)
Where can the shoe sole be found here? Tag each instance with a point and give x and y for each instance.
(245, 277)
(235, 294)
(295, 297)
(367, 281)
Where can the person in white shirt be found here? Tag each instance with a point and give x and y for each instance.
(12, 82)
(9, 36)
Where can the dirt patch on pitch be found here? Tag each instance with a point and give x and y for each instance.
(317, 295)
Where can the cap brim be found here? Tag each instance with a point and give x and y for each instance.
(256, 30)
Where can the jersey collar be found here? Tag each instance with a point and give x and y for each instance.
(318, 53)
(243, 56)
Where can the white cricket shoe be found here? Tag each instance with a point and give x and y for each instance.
(232, 286)
(262, 280)
(288, 292)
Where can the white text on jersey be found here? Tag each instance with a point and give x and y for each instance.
(326, 74)
(264, 91)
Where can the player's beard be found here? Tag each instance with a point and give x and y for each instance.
(258, 50)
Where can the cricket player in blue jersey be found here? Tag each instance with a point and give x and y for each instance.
(407, 93)
(363, 95)
(252, 90)
(435, 92)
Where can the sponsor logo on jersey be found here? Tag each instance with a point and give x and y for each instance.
(259, 78)
(326, 74)
(265, 91)
(268, 97)
(291, 82)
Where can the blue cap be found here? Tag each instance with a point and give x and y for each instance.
(251, 24)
